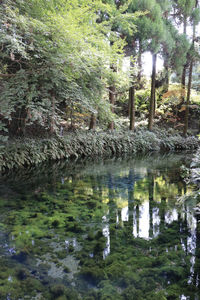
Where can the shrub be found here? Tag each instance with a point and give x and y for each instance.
(29, 152)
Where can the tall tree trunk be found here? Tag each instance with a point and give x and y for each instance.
(129, 105)
(139, 63)
(132, 107)
(183, 84)
(112, 102)
(112, 95)
(184, 67)
(188, 100)
(92, 122)
(166, 84)
(189, 80)
(154, 103)
(152, 99)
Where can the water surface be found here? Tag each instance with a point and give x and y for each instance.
(110, 230)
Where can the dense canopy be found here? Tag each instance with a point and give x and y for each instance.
(61, 62)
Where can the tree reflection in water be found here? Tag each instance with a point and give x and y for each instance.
(110, 229)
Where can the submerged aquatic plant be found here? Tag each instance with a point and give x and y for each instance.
(85, 237)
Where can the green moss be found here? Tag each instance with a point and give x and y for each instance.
(173, 292)
(64, 225)
(55, 223)
(66, 269)
(61, 254)
(130, 293)
(22, 273)
(57, 291)
(92, 274)
(108, 291)
(115, 270)
(63, 297)
(91, 236)
(91, 295)
(33, 285)
(71, 294)
(156, 296)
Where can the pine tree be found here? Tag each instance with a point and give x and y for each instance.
(182, 14)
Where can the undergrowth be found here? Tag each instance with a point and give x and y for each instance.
(195, 168)
(28, 152)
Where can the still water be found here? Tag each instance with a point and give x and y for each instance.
(117, 229)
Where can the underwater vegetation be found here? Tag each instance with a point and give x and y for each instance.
(107, 231)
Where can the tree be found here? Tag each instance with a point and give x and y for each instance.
(122, 24)
(132, 103)
(52, 58)
(152, 98)
(192, 55)
(183, 10)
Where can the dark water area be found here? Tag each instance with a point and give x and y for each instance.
(117, 229)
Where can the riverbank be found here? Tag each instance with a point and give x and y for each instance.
(28, 152)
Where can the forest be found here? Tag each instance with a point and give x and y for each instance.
(69, 67)
(100, 149)
(78, 64)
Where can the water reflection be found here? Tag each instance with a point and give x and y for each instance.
(106, 233)
(86, 215)
(144, 218)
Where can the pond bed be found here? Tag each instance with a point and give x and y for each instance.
(110, 230)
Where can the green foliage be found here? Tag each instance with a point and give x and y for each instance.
(81, 144)
(53, 59)
(142, 100)
(195, 168)
(184, 8)
(150, 26)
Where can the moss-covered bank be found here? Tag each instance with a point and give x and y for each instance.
(29, 152)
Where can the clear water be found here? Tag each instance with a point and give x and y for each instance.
(109, 230)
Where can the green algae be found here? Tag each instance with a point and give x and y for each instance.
(70, 240)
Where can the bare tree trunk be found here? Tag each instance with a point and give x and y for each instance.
(139, 63)
(152, 99)
(166, 84)
(189, 81)
(92, 122)
(129, 104)
(154, 103)
(188, 100)
(132, 107)
(183, 92)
